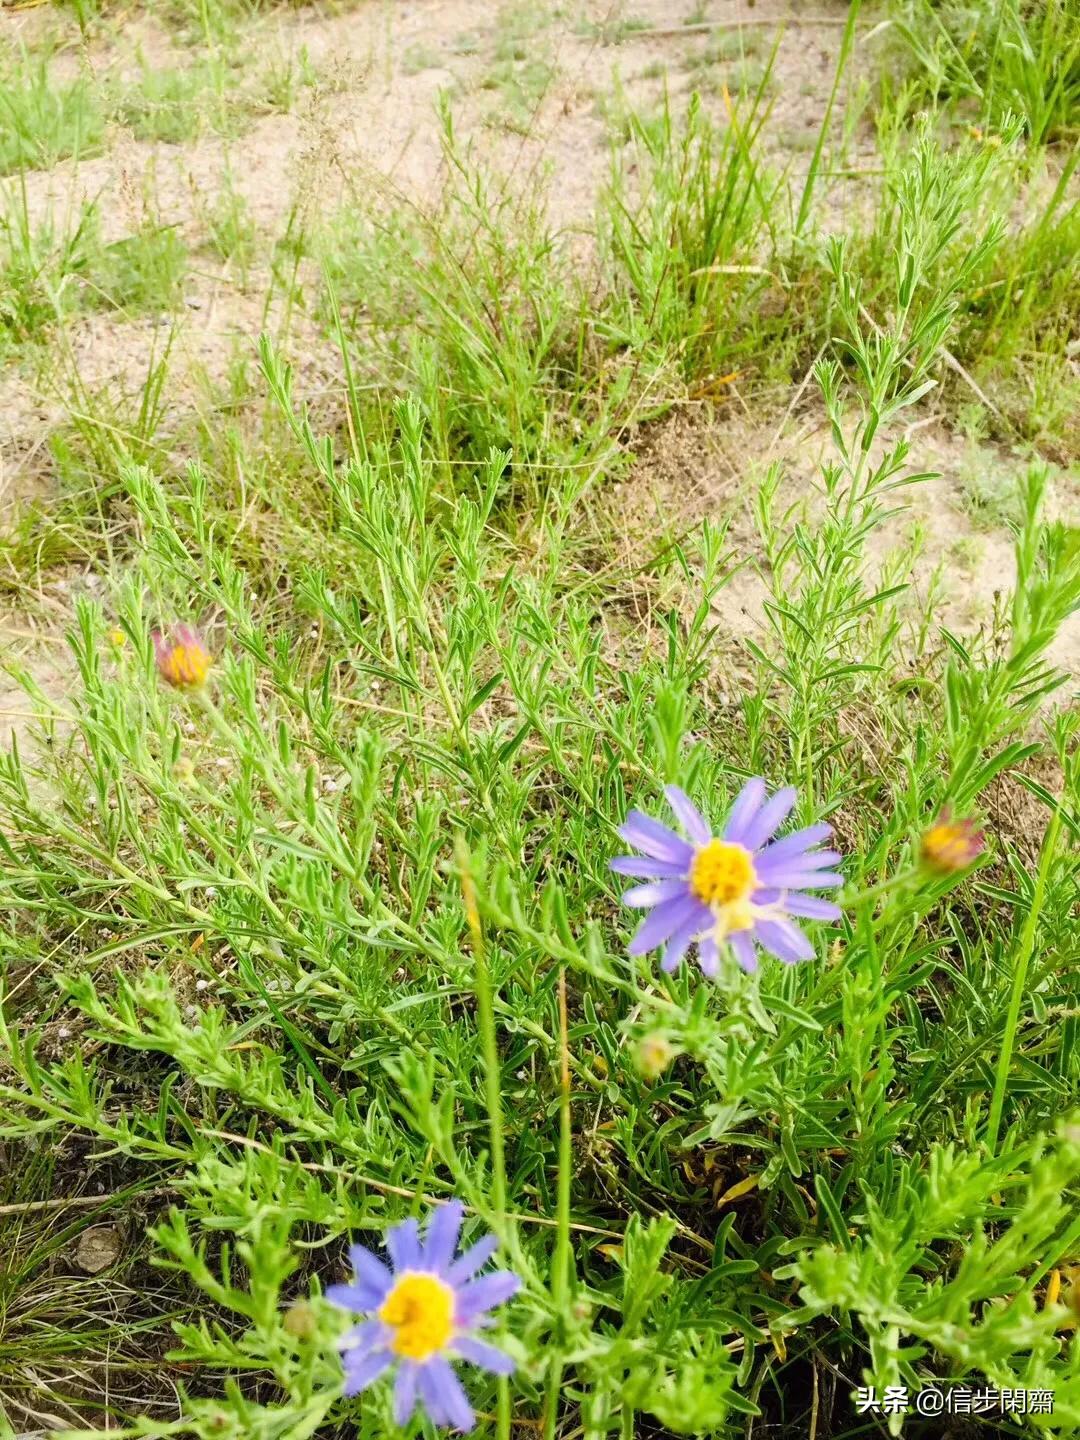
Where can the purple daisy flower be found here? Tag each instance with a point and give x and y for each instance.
(422, 1311)
(738, 889)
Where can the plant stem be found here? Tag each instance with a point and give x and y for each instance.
(492, 1088)
(815, 163)
(560, 1276)
(1027, 945)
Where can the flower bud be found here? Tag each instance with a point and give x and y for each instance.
(182, 660)
(951, 845)
(654, 1054)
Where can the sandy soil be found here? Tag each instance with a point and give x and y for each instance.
(702, 464)
(371, 125)
(369, 128)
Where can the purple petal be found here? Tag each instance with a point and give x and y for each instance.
(486, 1356)
(643, 868)
(405, 1387)
(743, 949)
(430, 1397)
(663, 922)
(361, 1370)
(362, 1338)
(798, 841)
(785, 940)
(790, 902)
(441, 1391)
(484, 1294)
(765, 862)
(655, 839)
(680, 941)
(466, 1266)
(802, 879)
(370, 1272)
(441, 1237)
(403, 1246)
(769, 818)
(709, 957)
(643, 897)
(747, 803)
(357, 1298)
(811, 908)
(689, 816)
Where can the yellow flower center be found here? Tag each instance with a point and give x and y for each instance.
(420, 1310)
(948, 846)
(723, 874)
(186, 665)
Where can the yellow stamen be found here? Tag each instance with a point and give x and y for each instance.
(1053, 1289)
(722, 874)
(420, 1309)
(739, 915)
(655, 1053)
(185, 665)
(723, 877)
(190, 664)
(951, 845)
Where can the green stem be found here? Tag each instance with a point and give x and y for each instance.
(815, 164)
(485, 1007)
(560, 1278)
(1023, 959)
(627, 1427)
(901, 880)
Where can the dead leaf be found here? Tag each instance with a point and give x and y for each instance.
(737, 1191)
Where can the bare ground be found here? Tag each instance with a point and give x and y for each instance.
(369, 127)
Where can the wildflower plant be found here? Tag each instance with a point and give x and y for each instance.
(734, 890)
(951, 845)
(430, 1305)
(181, 657)
(340, 945)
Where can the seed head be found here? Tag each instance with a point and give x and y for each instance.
(300, 1320)
(654, 1054)
(184, 770)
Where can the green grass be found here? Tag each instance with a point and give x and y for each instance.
(213, 94)
(231, 230)
(523, 71)
(691, 208)
(472, 307)
(144, 271)
(723, 48)
(613, 31)
(1008, 58)
(60, 269)
(1020, 327)
(174, 105)
(295, 956)
(1014, 326)
(42, 265)
(44, 120)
